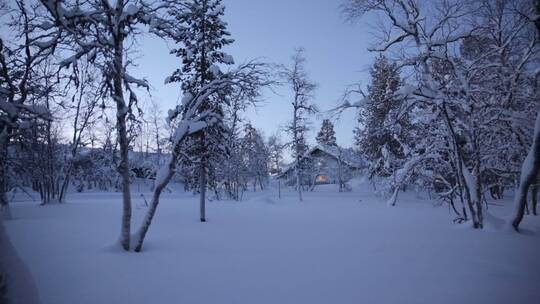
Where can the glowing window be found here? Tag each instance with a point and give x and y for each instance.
(321, 178)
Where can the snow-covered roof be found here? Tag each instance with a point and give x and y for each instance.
(346, 155)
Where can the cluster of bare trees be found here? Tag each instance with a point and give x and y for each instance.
(53, 36)
(25, 82)
(72, 59)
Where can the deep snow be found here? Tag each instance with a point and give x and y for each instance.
(332, 248)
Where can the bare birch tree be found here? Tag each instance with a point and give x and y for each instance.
(102, 32)
(530, 170)
(249, 78)
(302, 88)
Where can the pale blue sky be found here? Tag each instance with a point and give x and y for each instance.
(335, 50)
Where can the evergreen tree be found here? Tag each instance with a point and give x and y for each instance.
(378, 136)
(203, 37)
(327, 135)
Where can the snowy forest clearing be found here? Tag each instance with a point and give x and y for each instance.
(451, 107)
(334, 247)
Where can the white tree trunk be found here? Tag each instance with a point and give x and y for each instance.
(465, 179)
(121, 116)
(529, 172)
(534, 198)
(162, 179)
(123, 169)
(298, 181)
(297, 151)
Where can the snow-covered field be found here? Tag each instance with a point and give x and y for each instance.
(331, 248)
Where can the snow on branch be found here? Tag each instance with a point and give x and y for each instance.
(139, 82)
(247, 79)
(353, 97)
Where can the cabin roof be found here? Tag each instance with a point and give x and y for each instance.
(346, 155)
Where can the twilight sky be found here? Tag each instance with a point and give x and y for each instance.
(335, 50)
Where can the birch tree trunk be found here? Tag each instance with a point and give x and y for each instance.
(279, 188)
(477, 181)
(123, 169)
(65, 183)
(534, 197)
(478, 197)
(76, 139)
(298, 182)
(464, 176)
(297, 150)
(121, 116)
(529, 173)
(202, 189)
(4, 204)
(162, 179)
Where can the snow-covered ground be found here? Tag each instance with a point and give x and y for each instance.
(332, 248)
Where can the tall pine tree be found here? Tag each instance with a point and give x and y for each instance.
(327, 135)
(378, 136)
(203, 37)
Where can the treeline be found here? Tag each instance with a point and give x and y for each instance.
(61, 89)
